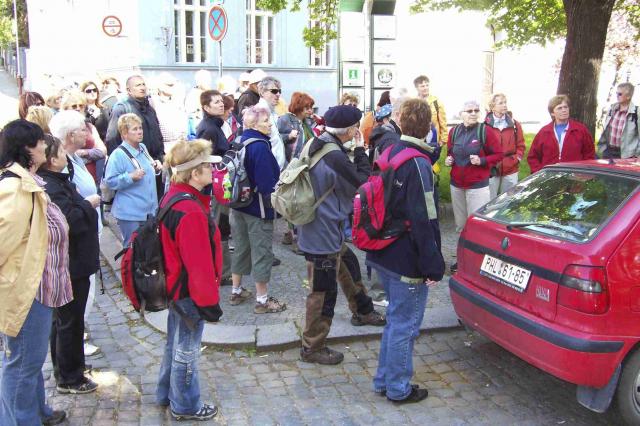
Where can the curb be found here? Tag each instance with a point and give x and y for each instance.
(275, 337)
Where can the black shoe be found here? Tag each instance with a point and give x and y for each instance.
(416, 395)
(372, 318)
(207, 412)
(226, 281)
(276, 262)
(384, 392)
(86, 386)
(454, 268)
(55, 418)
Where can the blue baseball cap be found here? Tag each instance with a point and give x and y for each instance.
(384, 112)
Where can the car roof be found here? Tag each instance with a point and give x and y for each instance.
(627, 166)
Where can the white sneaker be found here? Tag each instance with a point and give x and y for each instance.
(384, 303)
(90, 349)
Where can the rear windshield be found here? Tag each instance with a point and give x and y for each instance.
(565, 204)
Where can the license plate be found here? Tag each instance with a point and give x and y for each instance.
(505, 273)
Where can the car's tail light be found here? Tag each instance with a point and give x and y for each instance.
(584, 288)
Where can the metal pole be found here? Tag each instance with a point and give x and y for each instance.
(220, 59)
(18, 68)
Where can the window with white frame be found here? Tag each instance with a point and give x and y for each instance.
(319, 58)
(260, 34)
(190, 30)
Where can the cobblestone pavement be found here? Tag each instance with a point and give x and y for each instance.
(288, 283)
(471, 381)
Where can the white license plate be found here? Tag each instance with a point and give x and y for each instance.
(505, 273)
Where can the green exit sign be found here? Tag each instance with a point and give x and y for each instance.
(353, 74)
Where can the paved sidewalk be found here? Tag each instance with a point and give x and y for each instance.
(8, 98)
(240, 327)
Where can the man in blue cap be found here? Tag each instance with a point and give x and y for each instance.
(322, 239)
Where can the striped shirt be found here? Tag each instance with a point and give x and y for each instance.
(617, 127)
(55, 286)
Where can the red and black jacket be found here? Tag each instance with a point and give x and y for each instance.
(191, 247)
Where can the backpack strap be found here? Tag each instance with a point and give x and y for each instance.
(405, 155)
(181, 196)
(135, 162)
(317, 156)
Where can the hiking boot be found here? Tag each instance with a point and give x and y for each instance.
(325, 356)
(237, 299)
(287, 238)
(207, 412)
(272, 305)
(416, 395)
(86, 386)
(372, 318)
(55, 418)
(226, 282)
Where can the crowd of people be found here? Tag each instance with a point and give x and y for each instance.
(153, 152)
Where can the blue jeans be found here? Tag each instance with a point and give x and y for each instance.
(22, 387)
(126, 228)
(178, 384)
(404, 316)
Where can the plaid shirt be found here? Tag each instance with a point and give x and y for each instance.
(617, 126)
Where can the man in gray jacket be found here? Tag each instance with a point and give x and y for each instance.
(621, 138)
(322, 240)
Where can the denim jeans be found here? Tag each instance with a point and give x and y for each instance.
(22, 398)
(404, 316)
(126, 229)
(178, 384)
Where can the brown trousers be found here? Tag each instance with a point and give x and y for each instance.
(324, 272)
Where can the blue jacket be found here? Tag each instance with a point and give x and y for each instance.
(134, 200)
(263, 172)
(416, 255)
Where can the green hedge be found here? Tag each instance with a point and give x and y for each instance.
(445, 191)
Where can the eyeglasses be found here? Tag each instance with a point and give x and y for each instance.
(472, 111)
(619, 94)
(275, 91)
(94, 90)
(77, 106)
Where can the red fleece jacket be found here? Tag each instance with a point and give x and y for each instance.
(577, 145)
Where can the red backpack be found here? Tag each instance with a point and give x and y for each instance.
(373, 227)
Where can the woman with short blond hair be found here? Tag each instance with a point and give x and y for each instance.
(192, 255)
(40, 115)
(131, 172)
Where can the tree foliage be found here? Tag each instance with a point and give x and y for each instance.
(323, 13)
(522, 21)
(6, 23)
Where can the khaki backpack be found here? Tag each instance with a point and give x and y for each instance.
(293, 197)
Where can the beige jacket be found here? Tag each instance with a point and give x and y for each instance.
(23, 246)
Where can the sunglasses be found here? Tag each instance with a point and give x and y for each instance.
(472, 111)
(276, 91)
(94, 90)
(77, 106)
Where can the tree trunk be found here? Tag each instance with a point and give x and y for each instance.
(587, 22)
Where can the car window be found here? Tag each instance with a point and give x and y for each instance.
(565, 204)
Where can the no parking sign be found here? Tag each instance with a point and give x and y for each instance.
(218, 23)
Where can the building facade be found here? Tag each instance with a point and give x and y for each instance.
(72, 40)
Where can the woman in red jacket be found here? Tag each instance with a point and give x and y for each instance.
(472, 152)
(509, 132)
(563, 139)
(192, 254)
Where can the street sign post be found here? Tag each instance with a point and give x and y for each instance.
(218, 24)
(112, 26)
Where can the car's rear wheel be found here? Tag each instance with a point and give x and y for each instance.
(628, 392)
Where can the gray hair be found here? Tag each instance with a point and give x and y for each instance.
(268, 81)
(65, 122)
(470, 102)
(338, 131)
(628, 86)
(396, 105)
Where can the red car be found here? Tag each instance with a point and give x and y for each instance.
(551, 272)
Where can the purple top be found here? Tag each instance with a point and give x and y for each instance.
(55, 287)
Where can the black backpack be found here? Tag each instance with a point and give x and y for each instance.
(142, 267)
